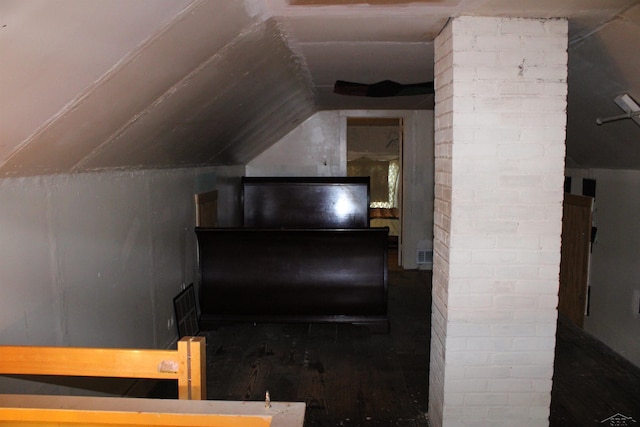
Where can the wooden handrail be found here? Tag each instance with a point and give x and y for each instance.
(84, 411)
(187, 364)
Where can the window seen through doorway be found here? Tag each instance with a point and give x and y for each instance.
(373, 150)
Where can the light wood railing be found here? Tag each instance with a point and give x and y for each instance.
(187, 364)
(73, 411)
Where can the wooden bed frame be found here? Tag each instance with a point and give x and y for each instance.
(293, 275)
(187, 365)
(305, 253)
(305, 202)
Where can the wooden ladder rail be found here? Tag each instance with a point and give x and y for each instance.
(187, 364)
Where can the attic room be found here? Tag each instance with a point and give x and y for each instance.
(115, 114)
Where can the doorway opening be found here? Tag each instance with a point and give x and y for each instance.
(374, 149)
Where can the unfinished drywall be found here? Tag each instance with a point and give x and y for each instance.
(614, 303)
(96, 259)
(318, 147)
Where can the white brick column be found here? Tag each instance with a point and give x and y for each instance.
(501, 86)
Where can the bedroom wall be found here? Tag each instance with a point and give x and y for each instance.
(318, 147)
(96, 259)
(614, 309)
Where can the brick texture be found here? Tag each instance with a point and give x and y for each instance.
(500, 120)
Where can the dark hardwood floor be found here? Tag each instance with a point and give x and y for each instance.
(349, 376)
(591, 383)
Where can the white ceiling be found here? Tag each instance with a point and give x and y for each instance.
(102, 84)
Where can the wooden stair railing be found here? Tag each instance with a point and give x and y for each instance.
(187, 364)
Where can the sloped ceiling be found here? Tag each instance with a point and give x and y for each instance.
(122, 84)
(602, 65)
(195, 83)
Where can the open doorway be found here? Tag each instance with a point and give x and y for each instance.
(374, 149)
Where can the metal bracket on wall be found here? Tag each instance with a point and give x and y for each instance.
(628, 105)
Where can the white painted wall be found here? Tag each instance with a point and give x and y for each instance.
(96, 259)
(614, 315)
(314, 148)
(318, 147)
(418, 186)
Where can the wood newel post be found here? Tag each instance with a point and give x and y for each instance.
(192, 375)
(198, 368)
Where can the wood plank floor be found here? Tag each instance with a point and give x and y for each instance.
(591, 382)
(349, 376)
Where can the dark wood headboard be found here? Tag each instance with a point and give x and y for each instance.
(310, 202)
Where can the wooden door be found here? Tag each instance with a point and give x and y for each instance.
(207, 209)
(574, 263)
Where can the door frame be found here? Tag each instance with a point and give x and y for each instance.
(401, 124)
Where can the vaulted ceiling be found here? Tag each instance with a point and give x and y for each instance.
(116, 84)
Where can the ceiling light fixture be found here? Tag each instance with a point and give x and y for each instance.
(628, 105)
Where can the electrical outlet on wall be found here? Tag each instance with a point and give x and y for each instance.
(170, 323)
